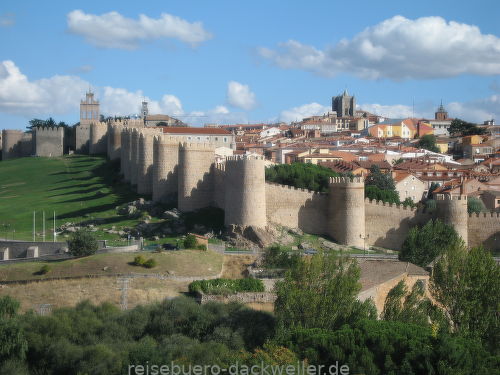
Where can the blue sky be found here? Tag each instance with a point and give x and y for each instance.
(259, 61)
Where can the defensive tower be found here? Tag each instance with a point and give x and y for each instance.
(165, 168)
(134, 153)
(453, 211)
(245, 198)
(145, 161)
(347, 211)
(195, 179)
(48, 141)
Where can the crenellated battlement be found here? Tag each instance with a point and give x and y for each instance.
(244, 157)
(220, 166)
(288, 187)
(49, 130)
(184, 146)
(395, 206)
(448, 197)
(347, 180)
(485, 215)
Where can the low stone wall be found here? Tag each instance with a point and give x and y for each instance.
(244, 297)
(19, 249)
(119, 249)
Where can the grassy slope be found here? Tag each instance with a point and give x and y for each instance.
(75, 187)
(175, 263)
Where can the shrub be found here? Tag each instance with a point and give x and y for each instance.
(150, 263)
(82, 243)
(44, 270)
(139, 260)
(475, 205)
(278, 257)
(190, 242)
(226, 286)
(202, 247)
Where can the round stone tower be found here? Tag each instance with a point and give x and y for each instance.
(114, 141)
(98, 138)
(165, 168)
(134, 153)
(346, 211)
(11, 144)
(145, 168)
(452, 210)
(245, 186)
(125, 153)
(195, 177)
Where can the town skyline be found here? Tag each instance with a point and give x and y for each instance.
(228, 63)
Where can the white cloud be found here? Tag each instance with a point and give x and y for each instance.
(390, 111)
(303, 111)
(7, 19)
(478, 110)
(54, 95)
(112, 30)
(221, 110)
(398, 48)
(240, 95)
(121, 102)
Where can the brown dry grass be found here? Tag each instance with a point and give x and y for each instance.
(177, 263)
(235, 266)
(65, 293)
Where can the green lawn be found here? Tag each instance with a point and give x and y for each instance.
(176, 263)
(76, 187)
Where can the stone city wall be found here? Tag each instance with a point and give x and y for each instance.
(243, 297)
(20, 249)
(16, 144)
(484, 229)
(49, 142)
(387, 225)
(82, 139)
(98, 138)
(297, 208)
(165, 168)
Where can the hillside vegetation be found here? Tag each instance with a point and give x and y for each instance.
(76, 187)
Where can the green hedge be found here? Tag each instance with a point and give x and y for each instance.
(226, 286)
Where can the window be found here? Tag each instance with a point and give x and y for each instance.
(198, 138)
(189, 138)
(216, 139)
(225, 139)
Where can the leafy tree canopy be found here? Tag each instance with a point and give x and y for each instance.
(428, 142)
(301, 175)
(424, 244)
(466, 284)
(463, 128)
(321, 292)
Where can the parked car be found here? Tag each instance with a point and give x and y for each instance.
(169, 246)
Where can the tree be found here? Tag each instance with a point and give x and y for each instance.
(434, 186)
(82, 243)
(321, 292)
(475, 205)
(383, 181)
(190, 241)
(428, 142)
(424, 244)
(466, 284)
(301, 175)
(462, 128)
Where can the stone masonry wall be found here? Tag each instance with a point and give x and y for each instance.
(484, 229)
(12, 144)
(49, 141)
(388, 225)
(145, 160)
(297, 208)
(82, 139)
(195, 177)
(18, 249)
(98, 138)
(165, 168)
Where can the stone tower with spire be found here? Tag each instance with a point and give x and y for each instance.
(441, 113)
(344, 105)
(89, 109)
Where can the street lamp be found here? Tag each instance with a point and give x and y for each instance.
(364, 238)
